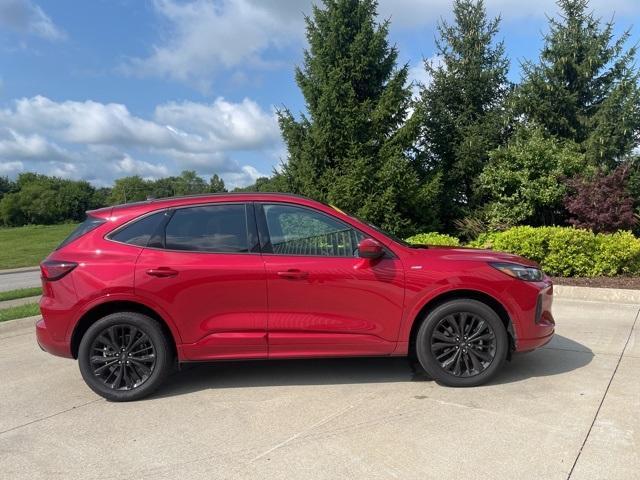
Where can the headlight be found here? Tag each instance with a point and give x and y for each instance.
(528, 274)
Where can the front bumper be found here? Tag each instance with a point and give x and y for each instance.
(539, 329)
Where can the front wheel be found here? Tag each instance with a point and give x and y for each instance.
(124, 356)
(462, 343)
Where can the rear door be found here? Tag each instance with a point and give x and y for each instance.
(324, 299)
(206, 271)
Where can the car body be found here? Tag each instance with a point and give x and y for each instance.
(263, 276)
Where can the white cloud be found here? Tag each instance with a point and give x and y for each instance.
(204, 37)
(11, 168)
(418, 74)
(226, 124)
(128, 166)
(16, 145)
(25, 17)
(246, 176)
(99, 142)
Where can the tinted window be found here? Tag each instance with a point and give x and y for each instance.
(85, 227)
(140, 231)
(213, 228)
(302, 231)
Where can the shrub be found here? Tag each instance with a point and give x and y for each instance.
(617, 253)
(601, 203)
(433, 238)
(567, 251)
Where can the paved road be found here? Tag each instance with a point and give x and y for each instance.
(575, 402)
(11, 281)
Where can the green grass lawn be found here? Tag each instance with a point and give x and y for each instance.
(27, 246)
(20, 293)
(28, 310)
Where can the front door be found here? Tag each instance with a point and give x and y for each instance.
(207, 273)
(323, 298)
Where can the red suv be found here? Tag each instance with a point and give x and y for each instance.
(138, 287)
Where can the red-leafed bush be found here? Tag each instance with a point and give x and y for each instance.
(601, 203)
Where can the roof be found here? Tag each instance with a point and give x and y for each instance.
(167, 202)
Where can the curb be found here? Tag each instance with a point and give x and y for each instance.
(19, 270)
(11, 326)
(614, 295)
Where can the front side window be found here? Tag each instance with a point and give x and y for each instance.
(302, 231)
(211, 228)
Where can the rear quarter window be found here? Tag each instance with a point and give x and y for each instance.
(142, 231)
(91, 223)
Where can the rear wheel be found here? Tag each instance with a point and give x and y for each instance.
(462, 343)
(124, 356)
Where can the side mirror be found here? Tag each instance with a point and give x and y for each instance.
(369, 248)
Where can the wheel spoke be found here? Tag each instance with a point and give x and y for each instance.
(481, 338)
(103, 359)
(453, 323)
(481, 355)
(445, 338)
(482, 326)
(132, 336)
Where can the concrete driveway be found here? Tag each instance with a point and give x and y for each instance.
(568, 410)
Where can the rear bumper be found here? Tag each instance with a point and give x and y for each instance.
(49, 344)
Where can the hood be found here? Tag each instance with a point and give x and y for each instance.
(473, 254)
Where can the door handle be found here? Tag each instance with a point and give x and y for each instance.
(293, 274)
(162, 272)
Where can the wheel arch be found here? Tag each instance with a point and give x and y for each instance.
(465, 294)
(107, 308)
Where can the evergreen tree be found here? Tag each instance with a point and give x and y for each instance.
(585, 86)
(462, 109)
(216, 184)
(351, 148)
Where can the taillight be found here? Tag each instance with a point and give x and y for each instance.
(55, 270)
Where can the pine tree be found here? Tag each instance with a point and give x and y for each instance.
(216, 184)
(462, 108)
(351, 148)
(585, 86)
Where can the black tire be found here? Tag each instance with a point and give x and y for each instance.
(124, 356)
(462, 343)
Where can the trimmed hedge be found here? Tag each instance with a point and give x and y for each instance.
(569, 252)
(433, 238)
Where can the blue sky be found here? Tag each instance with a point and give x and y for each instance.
(99, 89)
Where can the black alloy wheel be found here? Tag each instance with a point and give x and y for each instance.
(462, 343)
(125, 356)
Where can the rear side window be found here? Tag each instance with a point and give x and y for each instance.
(85, 227)
(141, 231)
(211, 228)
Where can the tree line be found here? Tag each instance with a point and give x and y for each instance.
(40, 199)
(470, 152)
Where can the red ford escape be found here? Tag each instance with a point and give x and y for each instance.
(138, 287)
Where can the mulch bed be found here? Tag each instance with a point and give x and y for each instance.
(632, 283)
